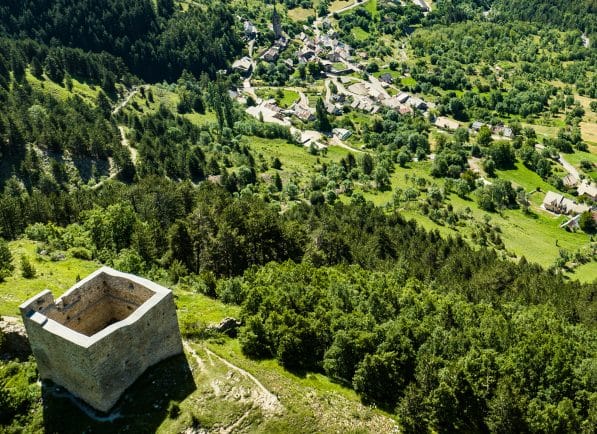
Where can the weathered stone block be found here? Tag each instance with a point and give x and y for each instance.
(102, 334)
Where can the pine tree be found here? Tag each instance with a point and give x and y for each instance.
(323, 123)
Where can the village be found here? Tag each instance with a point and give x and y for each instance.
(348, 86)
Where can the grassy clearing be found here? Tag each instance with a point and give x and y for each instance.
(528, 180)
(193, 307)
(297, 162)
(60, 91)
(360, 34)
(164, 96)
(533, 236)
(371, 7)
(408, 81)
(300, 14)
(578, 156)
(285, 100)
(543, 130)
(589, 132)
(312, 403)
(336, 5)
(56, 276)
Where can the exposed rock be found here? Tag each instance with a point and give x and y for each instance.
(15, 344)
(228, 326)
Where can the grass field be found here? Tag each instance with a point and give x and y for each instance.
(528, 180)
(170, 99)
(371, 7)
(408, 81)
(300, 14)
(297, 162)
(538, 236)
(56, 276)
(576, 158)
(336, 5)
(60, 91)
(288, 96)
(360, 34)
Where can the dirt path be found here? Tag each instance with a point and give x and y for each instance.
(230, 428)
(569, 167)
(126, 99)
(268, 402)
(337, 142)
(124, 141)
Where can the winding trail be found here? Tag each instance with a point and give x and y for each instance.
(266, 399)
(131, 93)
(124, 141)
(262, 397)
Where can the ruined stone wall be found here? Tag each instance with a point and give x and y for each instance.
(97, 303)
(77, 347)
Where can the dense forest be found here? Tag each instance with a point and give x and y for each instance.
(155, 42)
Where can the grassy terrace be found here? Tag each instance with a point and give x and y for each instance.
(56, 276)
(537, 236)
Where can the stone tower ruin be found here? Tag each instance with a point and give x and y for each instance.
(102, 334)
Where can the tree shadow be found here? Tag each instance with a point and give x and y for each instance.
(142, 408)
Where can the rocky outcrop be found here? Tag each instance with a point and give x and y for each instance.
(14, 343)
(228, 326)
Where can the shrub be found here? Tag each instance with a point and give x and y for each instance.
(80, 253)
(27, 269)
(6, 266)
(173, 409)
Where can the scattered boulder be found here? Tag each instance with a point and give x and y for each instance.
(228, 326)
(14, 344)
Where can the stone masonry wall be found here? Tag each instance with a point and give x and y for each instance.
(98, 368)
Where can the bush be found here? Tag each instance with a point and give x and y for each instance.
(173, 409)
(80, 253)
(230, 291)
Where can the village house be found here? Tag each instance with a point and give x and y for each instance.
(303, 113)
(334, 109)
(338, 97)
(405, 110)
(570, 180)
(402, 97)
(559, 204)
(243, 65)
(417, 103)
(476, 126)
(587, 188)
(272, 54)
(502, 130)
(386, 78)
(342, 133)
(392, 102)
(250, 31)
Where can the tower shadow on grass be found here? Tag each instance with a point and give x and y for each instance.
(142, 408)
